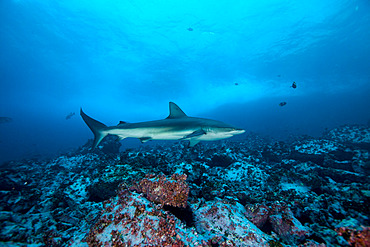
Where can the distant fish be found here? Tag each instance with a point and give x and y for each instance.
(236, 84)
(5, 120)
(278, 75)
(294, 85)
(70, 115)
(282, 103)
(190, 29)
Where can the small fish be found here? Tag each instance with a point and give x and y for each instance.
(282, 103)
(236, 84)
(5, 120)
(70, 115)
(294, 85)
(190, 29)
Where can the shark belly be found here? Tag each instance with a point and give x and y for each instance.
(213, 137)
(154, 133)
(170, 135)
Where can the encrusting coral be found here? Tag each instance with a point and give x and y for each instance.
(173, 192)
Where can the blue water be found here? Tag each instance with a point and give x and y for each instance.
(125, 60)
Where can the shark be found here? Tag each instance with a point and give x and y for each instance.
(177, 126)
(5, 119)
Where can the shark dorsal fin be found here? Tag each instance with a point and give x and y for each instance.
(175, 111)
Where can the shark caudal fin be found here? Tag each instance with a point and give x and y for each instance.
(96, 127)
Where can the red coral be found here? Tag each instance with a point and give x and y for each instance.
(258, 214)
(135, 223)
(280, 217)
(51, 238)
(357, 238)
(159, 189)
(132, 219)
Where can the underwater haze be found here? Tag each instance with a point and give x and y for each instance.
(234, 61)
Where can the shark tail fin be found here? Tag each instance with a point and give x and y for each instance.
(96, 127)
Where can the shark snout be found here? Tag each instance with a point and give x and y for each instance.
(238, 131)
(235, 131)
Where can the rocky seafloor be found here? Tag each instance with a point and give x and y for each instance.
(256, 192)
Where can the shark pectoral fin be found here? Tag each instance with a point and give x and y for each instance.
(145, 139)
(120, 138)
(196, 133)
(193, 142)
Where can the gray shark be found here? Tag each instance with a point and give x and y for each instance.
(5, 120)
(177, 126)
